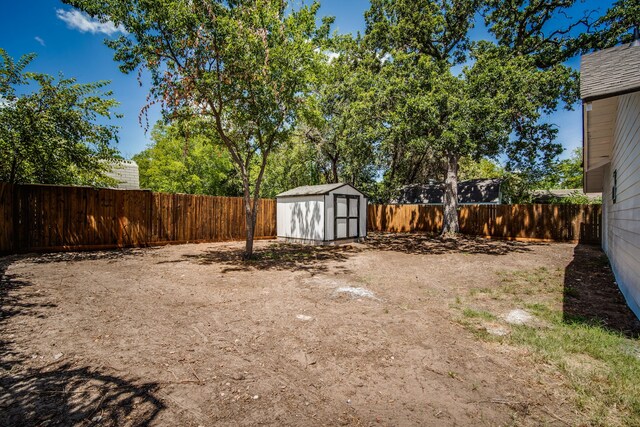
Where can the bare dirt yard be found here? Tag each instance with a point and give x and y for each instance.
(401, 330)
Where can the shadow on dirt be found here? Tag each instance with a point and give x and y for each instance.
(277, 256)
(591, 295)
(17, 298)
(67, 395)
(110, 255)
(34, 391)
(433, 244)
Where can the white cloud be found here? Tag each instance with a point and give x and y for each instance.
(332, 55)
(39, 40)
(82, 22)
(329, 54)
(386, 57)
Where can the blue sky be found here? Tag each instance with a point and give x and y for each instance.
(68, 43)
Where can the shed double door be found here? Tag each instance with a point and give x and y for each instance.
(347, 216)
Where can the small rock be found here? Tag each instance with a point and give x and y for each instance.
(497, 330)
(96, 418)
(354, 292)
(304, 317)
(518, 317)
(256, 397)
(57, 356)
(238, 376)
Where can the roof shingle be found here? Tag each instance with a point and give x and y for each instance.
(609, 72)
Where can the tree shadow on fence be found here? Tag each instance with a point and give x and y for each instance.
(433, 244)
(277, 256)
(591, 295)
(58, 393)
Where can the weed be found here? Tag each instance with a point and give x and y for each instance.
(481, 314)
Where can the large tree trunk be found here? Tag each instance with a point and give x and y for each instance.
(250, 220)
(334, 169)
(251, 206)
(450, 225)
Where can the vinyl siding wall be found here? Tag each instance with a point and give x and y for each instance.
(621, 222)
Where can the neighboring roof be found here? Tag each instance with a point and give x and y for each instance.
(610, 72)
(126, 173)
(312, 190)
(469, 191)
(546, 196)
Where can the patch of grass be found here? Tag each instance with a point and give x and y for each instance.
(477, 314)
(475, 291)
(597, 363)
(602, 366)
(531, 282)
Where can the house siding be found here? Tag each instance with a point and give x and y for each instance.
(621, 222)
(127, 174)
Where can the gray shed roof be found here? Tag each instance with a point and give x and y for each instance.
(610, 72)
(312, 190)
(470, 191)
(126, 173)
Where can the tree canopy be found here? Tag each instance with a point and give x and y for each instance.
(55, 133)
(414, 98)
(242, 66)
(181, 159)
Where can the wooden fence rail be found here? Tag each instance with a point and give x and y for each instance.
(44, 217)
(576, 223)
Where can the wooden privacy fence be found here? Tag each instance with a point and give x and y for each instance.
(527, 222)
(43, 217)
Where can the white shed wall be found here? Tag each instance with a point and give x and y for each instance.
(301, 217)
(621, 220)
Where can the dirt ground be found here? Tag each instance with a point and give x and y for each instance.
(189, 335)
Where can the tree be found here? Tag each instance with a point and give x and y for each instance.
(445, 115)
(338, 122)
(483, 168)
(181, 159)
(244, 66)
(295, 163)
(53, 135)
(570, 170)
(495, 104)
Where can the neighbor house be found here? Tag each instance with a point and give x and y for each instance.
(610, 91)
(471, 191)
(126, 173)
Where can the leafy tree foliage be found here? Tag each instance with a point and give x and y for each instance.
(243, 66)
(338, 122)
(181, 159)
(569, 171)
(483, 168)
(53, 134)
(297, 162)
(445, 98)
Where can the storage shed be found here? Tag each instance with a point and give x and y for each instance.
(322, 214)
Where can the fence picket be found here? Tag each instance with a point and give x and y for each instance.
(46, 217)
(527, 222)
